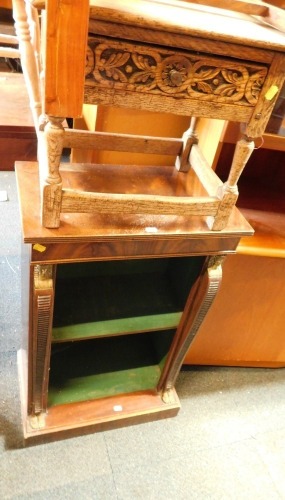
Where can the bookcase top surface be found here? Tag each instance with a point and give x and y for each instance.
(76, 228)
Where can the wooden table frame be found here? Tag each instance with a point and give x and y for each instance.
(223, 85)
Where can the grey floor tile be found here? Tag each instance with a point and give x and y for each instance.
(11, 242)
(11, 436)
(10, 335)
(171, 438)
(56, 465)
(242, 399)
(217, 409)
(100, 488)
(9, 215)
(234, 472)
(271, 448)
(224, 380)
(10, 302)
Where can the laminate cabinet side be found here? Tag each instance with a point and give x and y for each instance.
(247, 318)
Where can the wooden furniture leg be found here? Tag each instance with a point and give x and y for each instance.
(50, 151)
(189, 138)
(228, 192)
(28, 59)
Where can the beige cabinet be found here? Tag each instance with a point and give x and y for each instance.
(245, 326)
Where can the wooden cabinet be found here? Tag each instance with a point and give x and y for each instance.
(247, 318)
(18, 139)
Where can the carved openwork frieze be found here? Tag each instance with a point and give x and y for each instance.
(128, 67)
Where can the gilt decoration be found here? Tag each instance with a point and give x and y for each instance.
(140, 69)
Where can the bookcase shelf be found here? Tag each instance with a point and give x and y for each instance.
(106, 367)
(121, 297)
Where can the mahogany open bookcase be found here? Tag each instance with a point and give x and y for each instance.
(122, 262)
(113, 306)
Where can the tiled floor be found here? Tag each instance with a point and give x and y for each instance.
(227, 442)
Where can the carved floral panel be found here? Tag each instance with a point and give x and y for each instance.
(123, 66)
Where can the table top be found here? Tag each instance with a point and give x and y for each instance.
(187, 18)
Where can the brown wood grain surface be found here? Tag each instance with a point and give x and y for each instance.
(109, 227)
(66, 35)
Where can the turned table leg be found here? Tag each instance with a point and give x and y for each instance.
(228, 192)
(189, 138)
(50, 152)
(28, 57)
